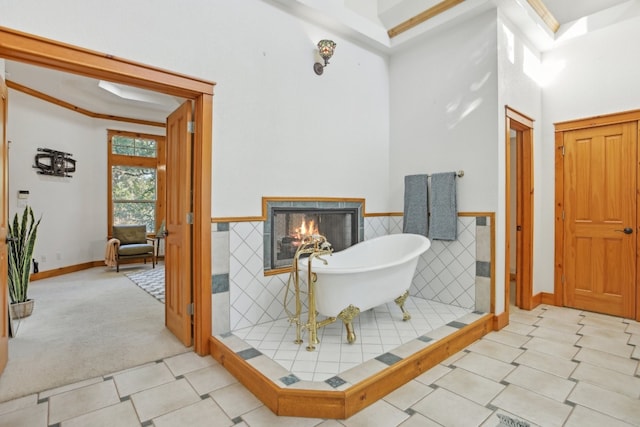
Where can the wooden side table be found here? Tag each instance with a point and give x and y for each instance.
(159, 239)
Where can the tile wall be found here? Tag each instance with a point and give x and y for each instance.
(446, 272)
(456, 273)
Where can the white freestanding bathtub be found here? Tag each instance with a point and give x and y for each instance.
(367, 274)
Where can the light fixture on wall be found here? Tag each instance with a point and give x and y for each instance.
(325, 49)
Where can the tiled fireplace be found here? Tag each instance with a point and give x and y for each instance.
(289, 222)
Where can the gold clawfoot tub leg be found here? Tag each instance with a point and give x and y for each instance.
(347, 315)
(400, 301)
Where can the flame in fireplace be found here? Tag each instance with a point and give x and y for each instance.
(307, 229)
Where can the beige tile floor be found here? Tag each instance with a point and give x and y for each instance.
(549, 367)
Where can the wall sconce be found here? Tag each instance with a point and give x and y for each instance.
(325, 49)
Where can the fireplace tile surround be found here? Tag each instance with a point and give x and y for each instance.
(456, 273)
(357, 208)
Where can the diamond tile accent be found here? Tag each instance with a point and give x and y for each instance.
(290, 379)
(249, 353)
(388, 358)
(219, 283)
(335, 382)
(458, 325)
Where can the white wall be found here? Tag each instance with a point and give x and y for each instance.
(445, 117)
(279, 130)
(594, 74)
(284, 131)
(519, 89)
(73, 209)
(447, 113)
(443, 112)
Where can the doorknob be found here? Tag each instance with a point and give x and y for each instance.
(10, 239)
(627, 230)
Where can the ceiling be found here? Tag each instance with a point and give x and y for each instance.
(394, 12)
(566, 11)
(365, 21)
(87, 93)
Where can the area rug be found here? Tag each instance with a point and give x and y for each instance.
(152, 281)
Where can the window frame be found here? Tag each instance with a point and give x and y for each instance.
(158, 163)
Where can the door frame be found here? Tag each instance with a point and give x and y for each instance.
(6, 329)
(35, 50)
(560, 128)
(523, 170)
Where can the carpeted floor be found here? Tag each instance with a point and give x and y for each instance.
(85, 324)
(152, 281)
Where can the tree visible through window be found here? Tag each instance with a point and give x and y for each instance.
(134, 161)
(134, 196)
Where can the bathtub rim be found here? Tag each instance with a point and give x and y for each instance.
(319, 267)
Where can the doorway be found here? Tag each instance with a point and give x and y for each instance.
(22, 47)
(519, 210)
(597, 214)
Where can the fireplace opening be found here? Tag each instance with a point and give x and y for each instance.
(290, 225)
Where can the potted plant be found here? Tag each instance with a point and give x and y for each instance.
(21, 242)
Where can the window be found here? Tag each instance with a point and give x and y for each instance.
(136, 179)
(133, 146)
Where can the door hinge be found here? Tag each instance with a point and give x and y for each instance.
(189, 217)
(191, 127)
(563, 215)
(190, 309)
(562, 147)
(562, 278)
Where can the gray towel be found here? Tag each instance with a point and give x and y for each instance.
(444, 215)
(416, 205)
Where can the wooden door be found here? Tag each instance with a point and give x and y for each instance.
(178, 277)
(519, 169)
(4, 218)
(600, 230)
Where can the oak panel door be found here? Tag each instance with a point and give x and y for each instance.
(178, 277)
(600, 230)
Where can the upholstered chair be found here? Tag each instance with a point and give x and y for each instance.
(134, 244)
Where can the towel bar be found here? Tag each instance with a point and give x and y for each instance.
(459, 174)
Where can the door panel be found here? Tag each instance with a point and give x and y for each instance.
(600, 203)
(178, 277)
(4, 217)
